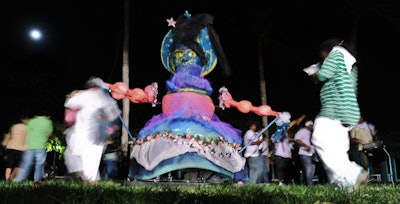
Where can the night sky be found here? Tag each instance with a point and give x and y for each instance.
(84, 38)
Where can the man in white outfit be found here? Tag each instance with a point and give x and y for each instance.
(252, 153)
(84, 147)
(306, 151)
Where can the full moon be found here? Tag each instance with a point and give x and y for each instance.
(35, 34)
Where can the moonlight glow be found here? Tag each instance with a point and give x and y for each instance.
(35, 34)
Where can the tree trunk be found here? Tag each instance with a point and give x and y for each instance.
(263, 91)
(125, 79)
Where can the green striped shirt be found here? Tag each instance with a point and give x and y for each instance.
(339, 93)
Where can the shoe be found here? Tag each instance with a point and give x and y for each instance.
(92, 183)
(131, 179)
(36, 184)
(361, 179)
(341, 184)
(239, 183)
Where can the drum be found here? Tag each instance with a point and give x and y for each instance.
(373, 145)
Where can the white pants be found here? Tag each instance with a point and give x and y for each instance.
(331, 141)
(91, 158)
(72, 162)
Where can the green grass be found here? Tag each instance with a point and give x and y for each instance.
(69, 191)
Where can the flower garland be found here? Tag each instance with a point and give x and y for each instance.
(214, 146)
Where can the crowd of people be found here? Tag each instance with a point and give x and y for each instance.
(287, 159)
(25, 148)
(91, 143)
(293, 159)
(288, 156)
(290, 160)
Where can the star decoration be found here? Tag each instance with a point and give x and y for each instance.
(187, 14)
(171, 22)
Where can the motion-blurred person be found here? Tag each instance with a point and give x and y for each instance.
(111, 159)
(38, 128)
(306, 151)
(338, 114)
(15, 144)
(72, 161)
(86, 143)
(360, 135)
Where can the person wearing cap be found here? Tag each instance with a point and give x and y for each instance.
(306, 150)
(338, 114)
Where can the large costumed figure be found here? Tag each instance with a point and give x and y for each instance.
(188, 134)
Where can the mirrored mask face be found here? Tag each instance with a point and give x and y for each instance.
(177, 54)
(183, 55)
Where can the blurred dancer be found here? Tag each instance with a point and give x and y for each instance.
(39, 128)
(85, 145)
(111, 159)
(339, 113)
(15, 144)
(359, 136)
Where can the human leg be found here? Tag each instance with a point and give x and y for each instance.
(16, 160)
(73, 163)
(25, 166)
(241, 176)
(12, 161)
(111, 169)
(7, 175)
(255, 169)
(308, 167)
(364, 161)
(133, 169)
(321, 172)
(265, 170)
(91, 158)
(331, 142)
(7, 161)
(281, 165)
(106, 170)
(40, 159)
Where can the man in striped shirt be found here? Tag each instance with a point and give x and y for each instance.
(339, 113)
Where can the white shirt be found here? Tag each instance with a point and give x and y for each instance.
(85, 128)
(251, 150)
(304, 134)
(265, 148)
